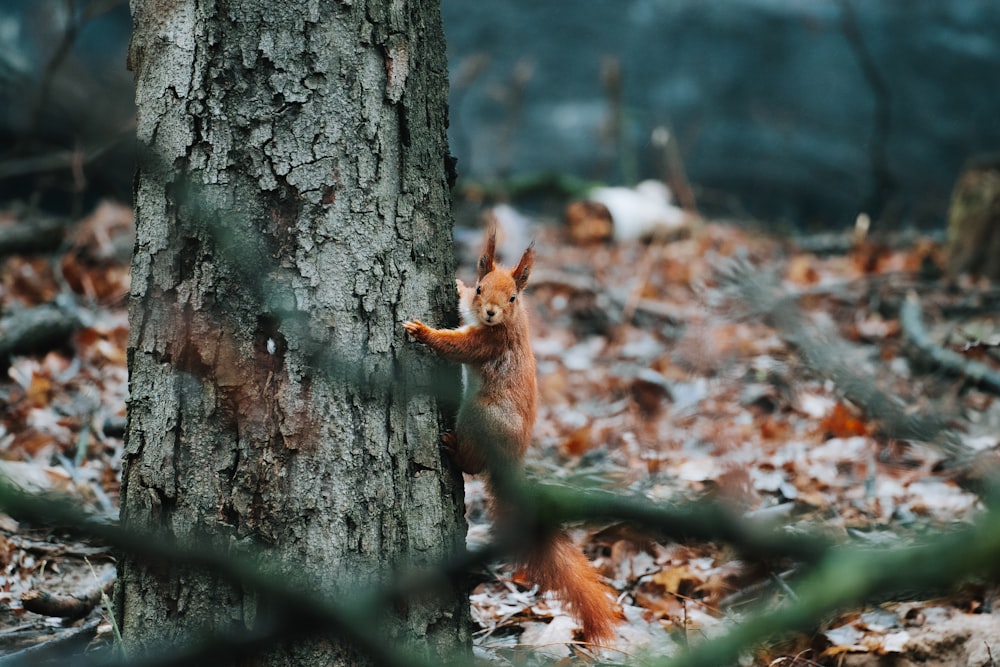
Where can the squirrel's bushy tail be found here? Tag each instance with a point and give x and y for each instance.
(556, 564)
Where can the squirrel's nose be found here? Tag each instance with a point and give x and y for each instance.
(490, 313)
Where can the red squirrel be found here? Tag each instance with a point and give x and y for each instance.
(497, 416)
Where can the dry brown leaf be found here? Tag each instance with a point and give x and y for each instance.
(39, 391)
(578, 442)
(672, 579)
(29, 280)
(843, 422)
(659, 606)
(734, 485)
(801, 270)
(773, 427)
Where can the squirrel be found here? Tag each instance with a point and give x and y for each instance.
(496, 419)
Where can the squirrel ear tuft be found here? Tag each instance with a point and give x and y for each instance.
(522, 271)
(486, 260)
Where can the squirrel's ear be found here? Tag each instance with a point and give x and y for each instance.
(523, 268)
(486, 261)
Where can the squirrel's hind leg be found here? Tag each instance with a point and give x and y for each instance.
(465, 456)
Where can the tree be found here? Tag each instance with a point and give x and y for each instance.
(292, 193)
(974, 220)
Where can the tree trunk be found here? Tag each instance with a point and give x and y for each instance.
(974, 220)
(292, 208)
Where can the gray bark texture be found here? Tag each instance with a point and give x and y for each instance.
(292, 210)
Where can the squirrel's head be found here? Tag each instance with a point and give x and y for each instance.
(498, 290)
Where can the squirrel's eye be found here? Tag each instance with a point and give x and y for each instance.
(479, 290)
(512, 297)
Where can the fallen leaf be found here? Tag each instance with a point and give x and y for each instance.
(895, 642)
(842, 422)
(670, 579)
(551, 639)
(801, 270)
(578, 442)
(845, 639)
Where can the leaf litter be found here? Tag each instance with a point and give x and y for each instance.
(652, 381)
(62, 420)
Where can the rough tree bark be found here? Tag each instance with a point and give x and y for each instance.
(974, 220)
(292, 208)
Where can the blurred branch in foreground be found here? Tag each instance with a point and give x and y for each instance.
(830, 357)
(841, 578)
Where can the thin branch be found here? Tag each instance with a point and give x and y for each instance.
(700, 520)
(36, 329)
(76, 605)
(65, 643)
(349, 618)
(828, 355)
(62, 158)
(974, 372)
(842, 577)
(34, 234)
(849, 577)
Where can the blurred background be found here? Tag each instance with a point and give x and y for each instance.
(798, 113)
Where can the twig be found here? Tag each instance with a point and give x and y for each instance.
(213, 649)
(684, 621)
(757, 589)
(32, 234)
(354, 614)
(52, 549)
(673, 169)
(61, 159)
(354, 617)
(843, 577)
(614, 126)
(36, 329)
(108, 607)
(848, 577)
(64, 643)
(974, 372)
(662, 311)
(652, 255)
(59, 55)
(701, 520)
(72, 606)
(783, 585)
(513, 101)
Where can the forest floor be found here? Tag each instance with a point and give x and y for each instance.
(781, 377)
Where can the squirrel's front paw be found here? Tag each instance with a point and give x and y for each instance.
(416, 328)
